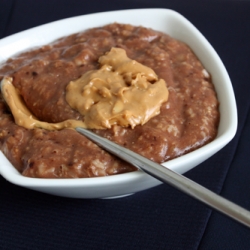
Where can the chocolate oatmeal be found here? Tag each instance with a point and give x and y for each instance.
(187, 120)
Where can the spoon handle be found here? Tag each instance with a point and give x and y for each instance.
(174, 179)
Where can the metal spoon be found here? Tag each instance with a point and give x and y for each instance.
(170, 177)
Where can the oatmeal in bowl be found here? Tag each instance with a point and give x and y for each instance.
(141, 85)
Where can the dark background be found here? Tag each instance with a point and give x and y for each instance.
(159, 218)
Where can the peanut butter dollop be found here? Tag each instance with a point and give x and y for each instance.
(122, 92)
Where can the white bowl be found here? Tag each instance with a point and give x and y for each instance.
(164, 20)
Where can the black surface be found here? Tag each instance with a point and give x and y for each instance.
(160, 218)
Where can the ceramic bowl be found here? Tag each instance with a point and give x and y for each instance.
(164, 20)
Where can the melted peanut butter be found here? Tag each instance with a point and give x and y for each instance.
(122, 92)
(23, 117)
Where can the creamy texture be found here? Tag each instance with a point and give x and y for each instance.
(122, 92)
(187, 120)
